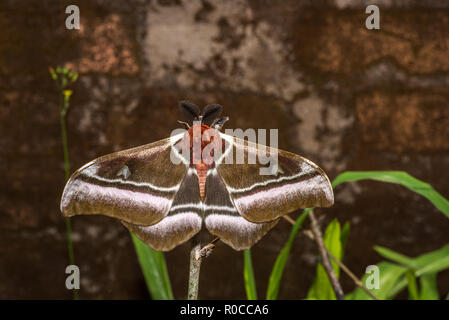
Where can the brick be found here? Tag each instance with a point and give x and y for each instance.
(404, 122)
(338, 42)
(33, 37)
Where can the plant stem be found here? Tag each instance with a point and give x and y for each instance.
(65, 146)
(194, 272)
(351, 275)
(64, 107)
(345, 269)
(325, 258)
(197, 254)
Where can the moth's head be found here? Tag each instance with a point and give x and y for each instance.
(210, 116)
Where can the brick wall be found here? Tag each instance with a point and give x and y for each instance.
(346, 97)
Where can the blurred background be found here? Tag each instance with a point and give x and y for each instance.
(343, 96)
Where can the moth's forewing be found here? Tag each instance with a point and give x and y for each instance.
(160, 201)
(223, 220)
(136, 185)
(299, 183)
(182, 222)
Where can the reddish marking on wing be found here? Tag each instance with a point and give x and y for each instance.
(201, 167)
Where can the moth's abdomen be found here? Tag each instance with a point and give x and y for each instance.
(201, 171)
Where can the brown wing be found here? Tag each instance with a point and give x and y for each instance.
(182, 222)
(136, 185)
(298, 183)
(223, 220)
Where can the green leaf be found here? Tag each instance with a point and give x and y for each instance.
(399, 177)
(429, 289)
(389, 275)
(344, 235)
(396, 257)
(332, 241)
(428, 263)
(399, 286)
(279, 266)
(154, 270)
(322, 288)
(248, 274)
(431, 262)
(412, 285)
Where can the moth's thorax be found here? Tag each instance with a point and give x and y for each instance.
(201, 135)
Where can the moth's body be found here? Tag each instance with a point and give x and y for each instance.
(165, 204)
(201, 165)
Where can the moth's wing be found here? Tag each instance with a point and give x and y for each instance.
(182, 222)
(136, 185)
(223, 220)
(298, 182)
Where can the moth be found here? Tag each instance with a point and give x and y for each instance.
(165, 202)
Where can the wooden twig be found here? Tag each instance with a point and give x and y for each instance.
(345, 269)
(351, 275)
(287, 217)
(194, 271)
(207, 249)
(197, 254)
(325, 258)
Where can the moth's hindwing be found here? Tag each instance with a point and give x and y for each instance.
(136, 185)
(182, 222)
(298, 183)
(223, 220)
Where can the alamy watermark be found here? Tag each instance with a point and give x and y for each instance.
(373, 280)
(73, 20)
(72, 282)
(373, 20)
(207, 145)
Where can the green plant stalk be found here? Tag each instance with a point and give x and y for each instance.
(248, 274)
(64, 107)
(154, 270)
(412, 285)
(429, 288)
(277, 272)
